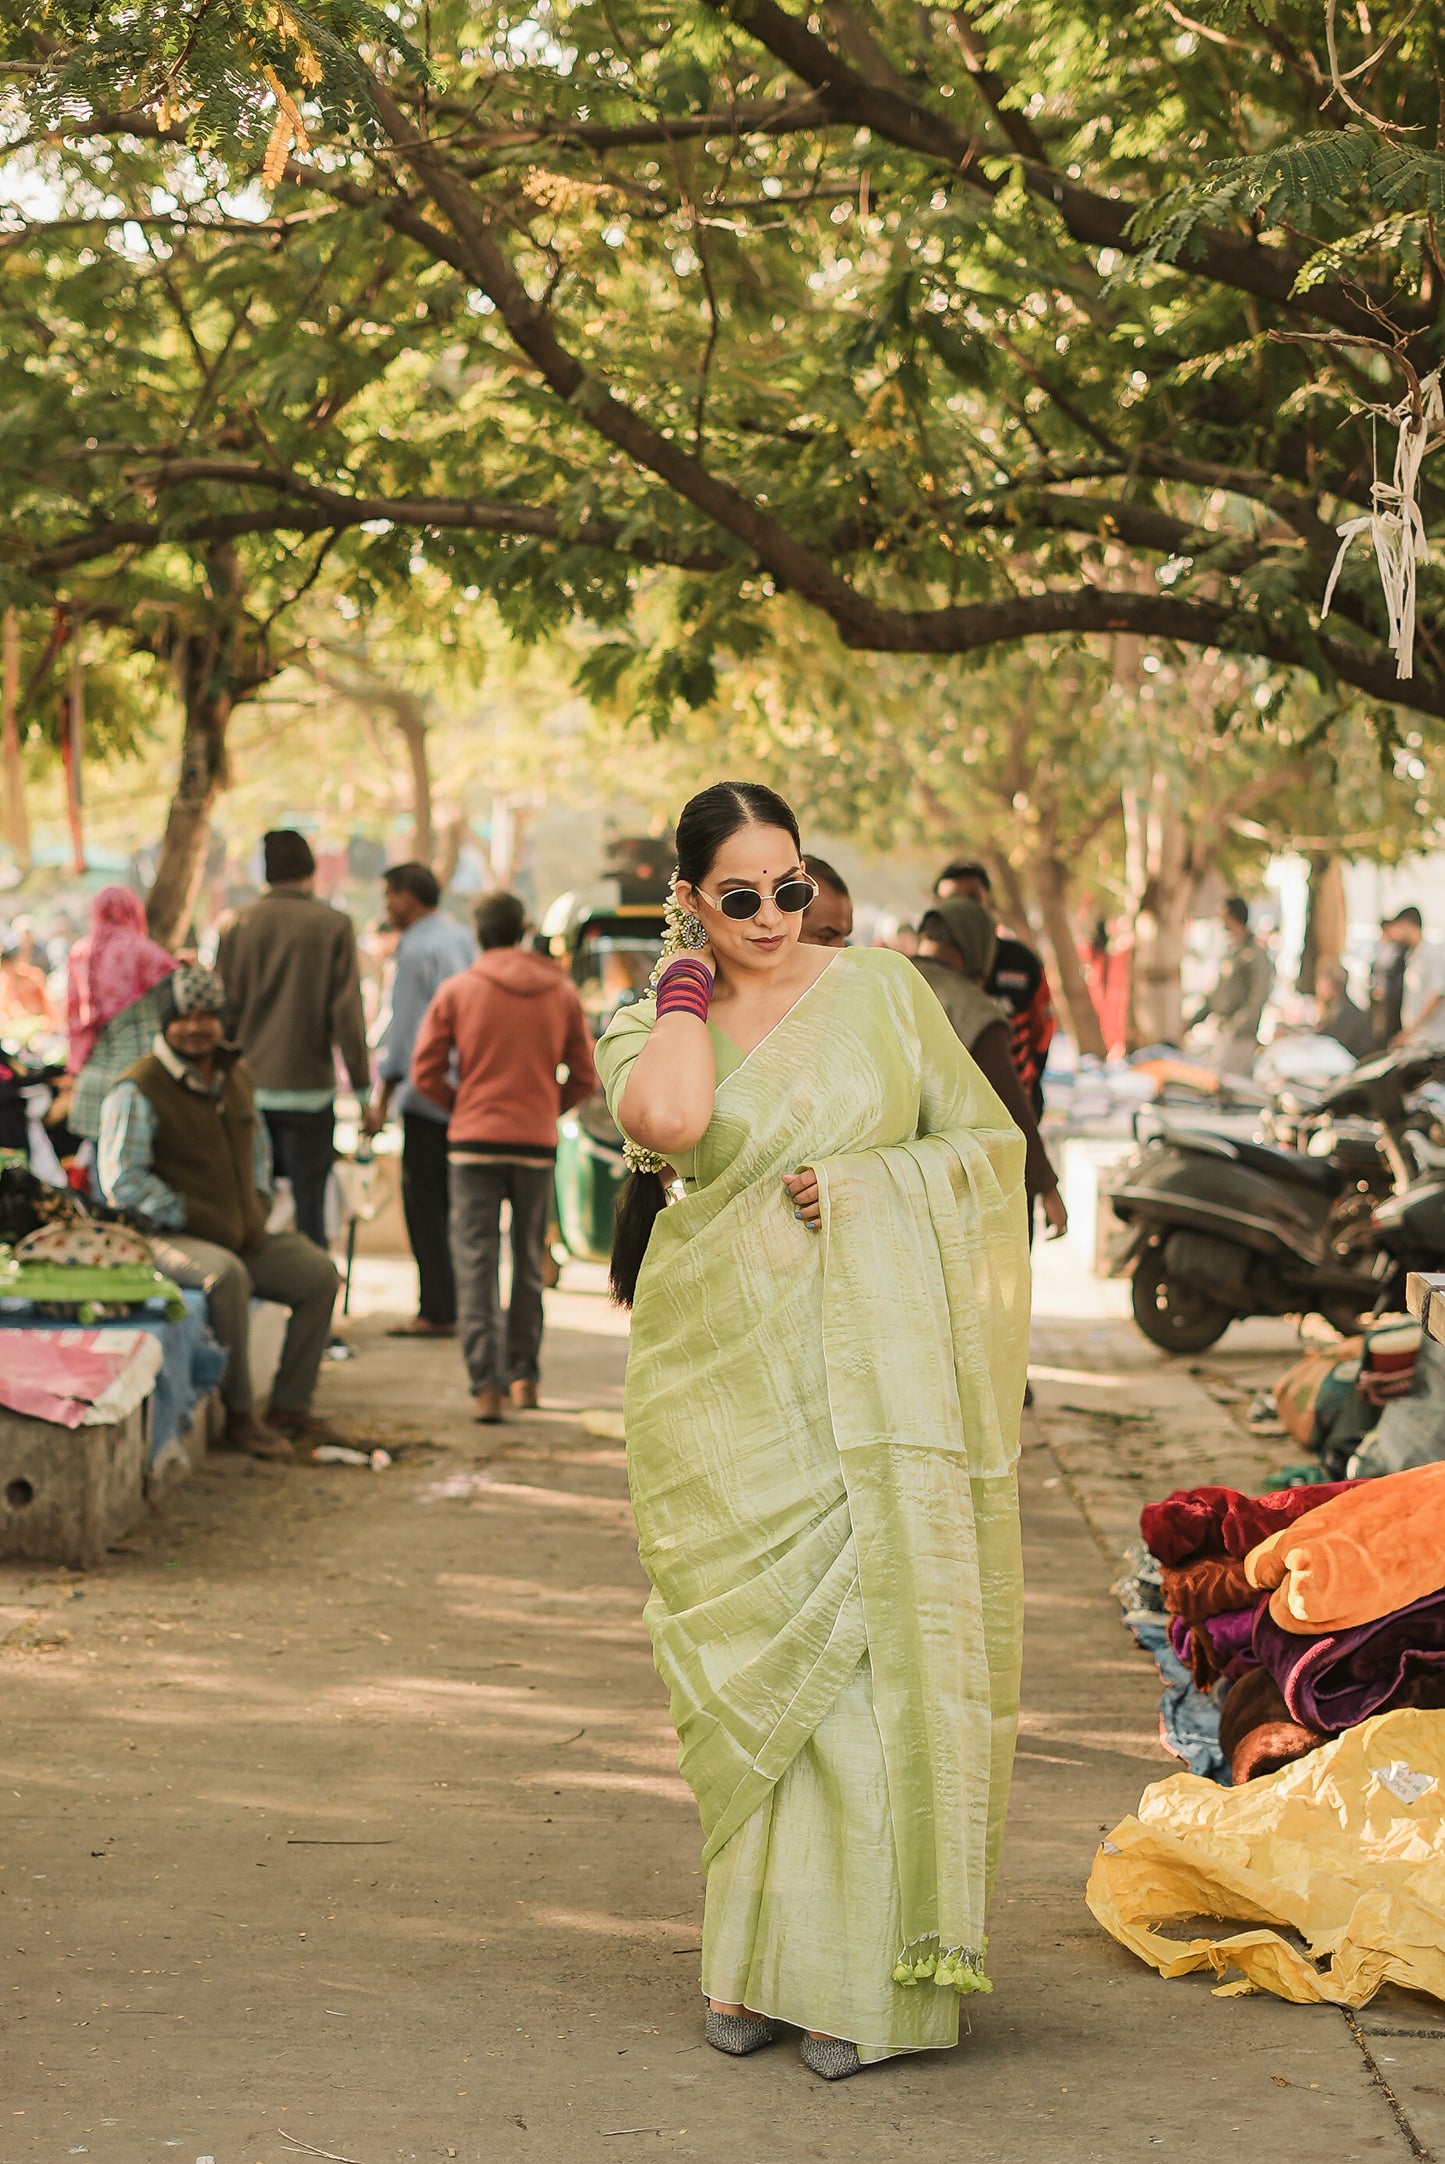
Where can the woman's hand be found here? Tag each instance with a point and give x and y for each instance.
(1056, 1214)
(807, 1202)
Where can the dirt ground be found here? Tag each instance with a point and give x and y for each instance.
(342, 1819)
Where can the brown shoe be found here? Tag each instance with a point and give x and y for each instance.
(305, 1427)
(249, 1432)
(489, 1404)
(524, 1396)
(422, 1328)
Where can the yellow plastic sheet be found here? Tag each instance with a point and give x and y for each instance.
(1346, 1848)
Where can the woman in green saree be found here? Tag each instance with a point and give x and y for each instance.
(823, 1392)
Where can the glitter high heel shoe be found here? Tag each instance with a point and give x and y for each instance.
(738, 2034)
(830, 2056)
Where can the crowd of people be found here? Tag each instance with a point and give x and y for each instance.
(192, 1092)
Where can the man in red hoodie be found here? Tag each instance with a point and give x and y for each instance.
(488, 1051)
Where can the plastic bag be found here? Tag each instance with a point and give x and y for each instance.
(1346, 1847)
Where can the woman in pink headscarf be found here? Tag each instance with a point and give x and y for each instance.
(111, 1007)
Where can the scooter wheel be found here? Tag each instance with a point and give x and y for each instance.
(1175, 1317)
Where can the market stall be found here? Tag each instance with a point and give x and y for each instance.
(1301, 1636)
(105, 1370)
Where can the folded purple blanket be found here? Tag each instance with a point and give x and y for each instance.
(1332, 1679)
(1230, 1633)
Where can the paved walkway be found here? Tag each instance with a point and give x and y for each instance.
(342, 1818)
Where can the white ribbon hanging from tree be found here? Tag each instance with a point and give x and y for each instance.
(1393, 522)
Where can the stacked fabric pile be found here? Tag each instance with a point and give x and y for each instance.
(1295, 1616)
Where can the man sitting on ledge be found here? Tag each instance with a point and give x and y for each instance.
(183, 1148)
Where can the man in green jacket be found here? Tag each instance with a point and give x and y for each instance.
(293, 1001)
(183, 1148)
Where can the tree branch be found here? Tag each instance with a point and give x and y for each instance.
(324, 510)
(1098, 221)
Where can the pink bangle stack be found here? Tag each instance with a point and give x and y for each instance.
(685, 987)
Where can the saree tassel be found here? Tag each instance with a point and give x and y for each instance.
(952, 1968)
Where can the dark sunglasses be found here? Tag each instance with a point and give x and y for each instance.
(791, 896)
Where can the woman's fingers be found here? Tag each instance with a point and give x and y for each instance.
(807, 1201)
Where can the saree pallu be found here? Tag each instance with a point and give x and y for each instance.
(822, 1433)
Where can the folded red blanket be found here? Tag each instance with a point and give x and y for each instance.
(1196, 1521)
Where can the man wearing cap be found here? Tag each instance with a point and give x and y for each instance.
(183, 1149)
(293, 1000)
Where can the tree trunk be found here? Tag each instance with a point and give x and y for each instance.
(181, 864)
(220, 661)
(1051, 886)
(1163, 873)
(410, 719)
(454, 833)
(1326, 921)
(12, 770)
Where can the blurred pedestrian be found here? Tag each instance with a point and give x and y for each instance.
(24, 990)
(1422, 1007)
(182, 1149)
(1017, 980)
(1387, 975)
(294, 1001)
(112, 1011)
(1241, 991)
(955, 956)
(1339, 1017)
(431, 948)
(828, 918)
(509, 1023)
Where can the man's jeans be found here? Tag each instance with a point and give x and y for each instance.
(304, 1147)
(499, 1349)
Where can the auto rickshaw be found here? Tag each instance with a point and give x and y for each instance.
(609, 946)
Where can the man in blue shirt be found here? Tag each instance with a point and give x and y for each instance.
(432, 948)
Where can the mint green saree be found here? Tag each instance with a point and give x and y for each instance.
(821, 1437)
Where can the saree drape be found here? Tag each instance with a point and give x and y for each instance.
(821, 1436)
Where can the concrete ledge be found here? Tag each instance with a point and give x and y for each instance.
(68, 1494)
(183, 1457)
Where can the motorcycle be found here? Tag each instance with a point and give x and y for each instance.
(1215, 1228)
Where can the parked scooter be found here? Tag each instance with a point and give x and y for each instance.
(1217, 1229)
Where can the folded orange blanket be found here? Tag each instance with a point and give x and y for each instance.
(1375, 1548)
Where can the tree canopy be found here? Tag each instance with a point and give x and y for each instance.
(962, 325)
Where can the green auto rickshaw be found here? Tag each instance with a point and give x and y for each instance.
(609, 947)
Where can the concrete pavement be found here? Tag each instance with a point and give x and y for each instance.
(342, 1818)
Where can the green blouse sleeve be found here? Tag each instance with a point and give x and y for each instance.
(617, 1048)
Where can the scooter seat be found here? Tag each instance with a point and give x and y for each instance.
(1318, 1172)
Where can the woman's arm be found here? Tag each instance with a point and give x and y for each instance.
(666, 1103)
